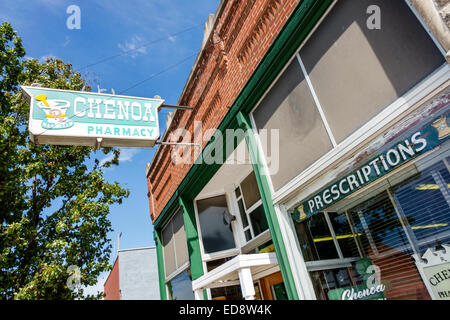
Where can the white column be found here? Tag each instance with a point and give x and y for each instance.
(238, 233)
(246, 280)
(198, 294)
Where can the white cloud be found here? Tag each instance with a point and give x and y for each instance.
(133, 47)
(126, 154)
(56, 7)
(66, 42)
(46, 56)
(172, 39)
(98, 287)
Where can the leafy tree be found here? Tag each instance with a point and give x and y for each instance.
(54, 200)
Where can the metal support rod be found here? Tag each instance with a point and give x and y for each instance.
(98, 143)
(178, 144)
(175, 107)
(118, 242)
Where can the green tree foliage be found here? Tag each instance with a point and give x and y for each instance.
(54, 200)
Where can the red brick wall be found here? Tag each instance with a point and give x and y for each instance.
(111, 286)
(244, 31)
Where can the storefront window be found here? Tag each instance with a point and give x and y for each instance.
(425, 201)
(314, 104)
(315, 239)
(227, 293)
(402, 216)
(344, 54)
(253, 210)
(174, 244)
(325, 281)
(259, 221)
(378, 224)
(289, 108)
(346, 239)
(215, 224)
(180, 288)
(250, 190)
(243, 215)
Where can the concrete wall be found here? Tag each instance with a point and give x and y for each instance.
(138, 274)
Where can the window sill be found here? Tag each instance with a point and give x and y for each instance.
(256, 242)
(220, 255)
(330, 264)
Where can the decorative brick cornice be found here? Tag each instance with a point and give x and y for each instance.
(164, 187)
(264, 22)
(243, 14)
(230, 14)
(215, 102)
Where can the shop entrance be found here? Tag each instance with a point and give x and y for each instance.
(238, 254)
(268, 288)
(243, 277)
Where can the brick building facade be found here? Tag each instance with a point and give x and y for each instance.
(236, 39)
(359, 106)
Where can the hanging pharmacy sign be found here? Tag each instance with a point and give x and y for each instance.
(65, 117)
(407, 147)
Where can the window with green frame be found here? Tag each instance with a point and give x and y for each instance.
(251, 211)
(180, 287)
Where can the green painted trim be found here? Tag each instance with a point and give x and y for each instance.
(193, 244)
(190, 227)
(195, 258)
(160, 259)
(169, 210)
(295, 30)
(269, 209)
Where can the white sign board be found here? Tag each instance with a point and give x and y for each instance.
(65, 117)
(434, 267)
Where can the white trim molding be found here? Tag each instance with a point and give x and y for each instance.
(220, 274)
(177, 272)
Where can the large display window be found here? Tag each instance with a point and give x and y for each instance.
(176, 259)
(390, 239)
(180, 288)
(314, 104)
(251, 211)
(215, 224)
(174, 245)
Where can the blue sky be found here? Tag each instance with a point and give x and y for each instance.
(110, 27)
